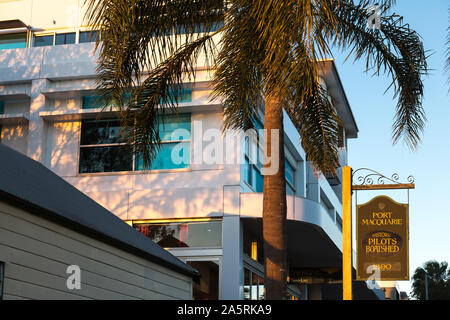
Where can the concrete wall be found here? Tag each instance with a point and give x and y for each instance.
(37, 253)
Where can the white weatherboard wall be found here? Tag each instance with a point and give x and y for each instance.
(37, 253)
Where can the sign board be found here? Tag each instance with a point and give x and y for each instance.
(382, 239)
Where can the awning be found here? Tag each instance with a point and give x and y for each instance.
(12, 24)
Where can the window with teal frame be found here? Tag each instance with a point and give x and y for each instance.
(183, 95)
(13, 41)
(92, 102)
(102, 148)
(175, 150)
(290, 178)
(253, 169)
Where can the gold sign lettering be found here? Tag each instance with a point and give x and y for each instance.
(382, 238)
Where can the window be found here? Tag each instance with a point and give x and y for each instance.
(87, 36)
(181, 29)
(339, 221)
(253, 245)
(92, 102)
(208, 288)
(102, 149)
(290, 178)
(253, 161)
(175, 150)
(2, 278)
(1, 112)
(65, 38)
(42, 41)
(96, 101)
(183, 234)
(183, 95)
(253, 285)
(253, 169)
(13, 41)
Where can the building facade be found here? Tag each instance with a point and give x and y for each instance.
(207, 213)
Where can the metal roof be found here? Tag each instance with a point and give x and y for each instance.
(29, 184)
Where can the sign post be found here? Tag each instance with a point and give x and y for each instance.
(347, 233)
(382, 230)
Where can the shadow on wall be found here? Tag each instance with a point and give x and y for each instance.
(15, 136)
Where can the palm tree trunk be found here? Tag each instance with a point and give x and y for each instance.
(274, 207)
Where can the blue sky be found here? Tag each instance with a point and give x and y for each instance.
(430, 163)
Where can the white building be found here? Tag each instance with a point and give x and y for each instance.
(208, 215)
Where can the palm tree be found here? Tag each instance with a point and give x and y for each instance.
(266, 49)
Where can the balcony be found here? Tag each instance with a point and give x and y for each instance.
(72, 61)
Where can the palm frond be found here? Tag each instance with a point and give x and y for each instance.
(136, 36)
(238, 78)
(316, 121)
(158, 96)
(394, 49)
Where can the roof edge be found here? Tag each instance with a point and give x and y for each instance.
(68, 223)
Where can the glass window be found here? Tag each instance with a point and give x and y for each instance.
(102, 148)
(253, 285)
(183, 234)
(252, 171)
(42, 41)
(100, 132)
(175, 150)
(92, 102)
(105, 159)
(65, 38)
(183, 95)
(214, 26)
(2, 278)
(13, 41)
(208, 288)
(87, 36)
(261, 291)
(247, 286)
(1, 112)
(169, 156)
(290, 178)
